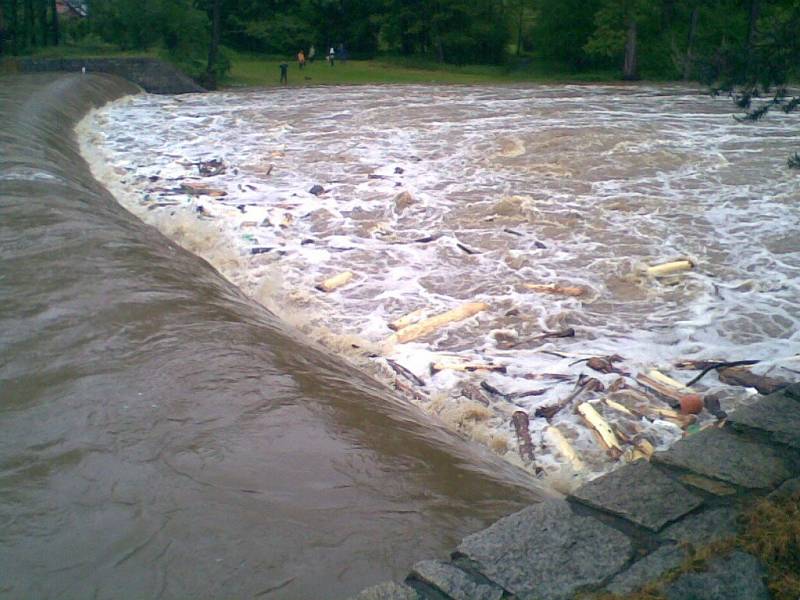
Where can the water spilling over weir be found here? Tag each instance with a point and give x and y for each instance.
(162, 435)
(429, 197)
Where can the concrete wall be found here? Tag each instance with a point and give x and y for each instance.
(153, 75)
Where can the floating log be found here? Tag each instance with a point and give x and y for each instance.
(672, 395)
(401, 370)
(335, 282)
(605, 364)
(697, 365)
(524, 442)
(201, 189)
(467, 249)
(564, 447)
(474, 393)
(670, 268)
(564, 333)
(602, 428)
(407, 320)
(619, 407)
(585, 384)
(417, 330)
(469, 367)
(552, 288)
(644, 446)
(666, 380)
(512, 395)
(745, 377)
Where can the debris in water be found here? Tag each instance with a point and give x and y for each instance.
(417, 330)
(524, 442)
(335, 282)
(210, 168)
(401, 370)
(317, 190)
(745, 377)
(670, 268)
(552, 288)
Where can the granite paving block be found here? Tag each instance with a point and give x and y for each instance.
(454, 582)
(737, 576)
(388, 591)
(640, 493)
(778, 415)
(703, 528)
(646, 570)
(547, 552)
(724, 455)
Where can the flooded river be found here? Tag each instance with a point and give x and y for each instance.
(162, 435)
(433, 197)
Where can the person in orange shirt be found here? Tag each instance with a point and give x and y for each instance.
(301, 59)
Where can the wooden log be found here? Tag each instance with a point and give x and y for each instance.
(418, 330)
(564, 448)
(335, 282)
(469, 367)
(474, 393)
(745, 377)
(601, 426)
(644, 446)
(666, 380)
(512, 395)
(564, 333)
(401, 370)
(406, 320)
(670, 268)
(559, 290)
(524, 442)
(201, 189)
(672, 395)
(618, 407)
(587, 384)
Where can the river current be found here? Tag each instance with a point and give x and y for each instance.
(162, 435)
(433, 197)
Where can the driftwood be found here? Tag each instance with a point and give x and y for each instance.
(201, 189)
(407, 320)
(644, 446)
(564, 447)
(410, 390)
(469, 367)
(713, 406)
(474, 393)
(673, 396)
(604, 432)
(564, 333)
(512, 395)
(745, 377)
(670, 268)
(417, 330)
(427, 239)
(335, 282)
(524, 442)
(713, 366)
(552, 288)
(585, 384)
(467, 249)
(602, 364)
(401, 370)
(619, 407)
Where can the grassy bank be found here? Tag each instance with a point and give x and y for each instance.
(248, 70)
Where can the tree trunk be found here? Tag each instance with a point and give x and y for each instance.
(752, 31)
(44, 27)
(54, 23)
(689, 60)
(630, 69)
(213, 49)
(519, 28)
(27, 17)
(13, 19)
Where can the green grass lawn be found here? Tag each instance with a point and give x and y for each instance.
(255, 71)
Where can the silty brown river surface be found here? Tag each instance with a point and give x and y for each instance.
(164, 434)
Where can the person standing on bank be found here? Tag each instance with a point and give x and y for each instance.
(284, 73)
(331, 55)
(312, 52)
(301, 59)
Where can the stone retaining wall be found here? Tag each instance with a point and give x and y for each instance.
(625, 529)
(153, 75)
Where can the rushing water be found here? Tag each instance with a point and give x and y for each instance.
(162, 435)
(577, 185)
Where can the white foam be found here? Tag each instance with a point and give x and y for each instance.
(607, 179)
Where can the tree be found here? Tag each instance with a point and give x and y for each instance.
(213, 47)
(563, 27)
(617, 32)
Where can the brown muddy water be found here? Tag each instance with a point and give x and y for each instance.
(164, 436)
